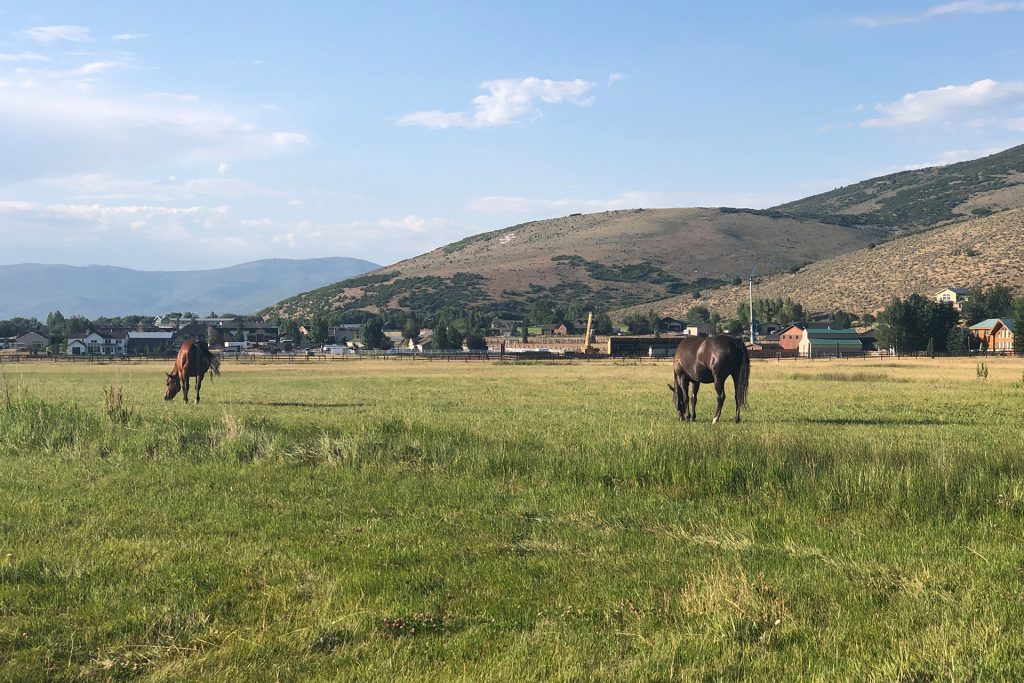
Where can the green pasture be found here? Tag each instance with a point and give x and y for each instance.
(469, 521)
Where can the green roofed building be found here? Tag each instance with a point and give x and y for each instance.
(825, 341)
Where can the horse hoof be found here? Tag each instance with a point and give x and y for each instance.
(714, 420)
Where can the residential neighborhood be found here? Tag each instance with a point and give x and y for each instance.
(650, 336)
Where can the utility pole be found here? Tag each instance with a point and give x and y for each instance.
(752, 272)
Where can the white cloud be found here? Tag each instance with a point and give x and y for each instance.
(980, 102)
(93, 68)
(48, 34)
(615, 78)
(78, 222)
(24, 57)
(508, 100)
(945, 158)
(130, 36)
(944, 10)
(222, 168)
(101, 187)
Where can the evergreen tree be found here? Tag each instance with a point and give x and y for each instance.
(994, 302)
(1018, 320)
(840, 320)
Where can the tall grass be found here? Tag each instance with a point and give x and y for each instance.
(497, 522)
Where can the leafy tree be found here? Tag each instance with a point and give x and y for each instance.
(698, 315)
(734, 327)
(289, 328)
(791, 312)
(455, 337)
(654, 323)
(441, 339)
(476, 342)
(318, 331)
(55, 323)
(994, 302)
(372, 334)
(603, 324)
(868, 319)
(840, 319)
(411, 329)
(913, 323)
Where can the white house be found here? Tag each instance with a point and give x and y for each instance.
(76, 347)
(113, 343)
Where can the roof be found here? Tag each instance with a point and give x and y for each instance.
(991, 322)
(150, 335)
(955, 290)
(835, 342)
(829, 333)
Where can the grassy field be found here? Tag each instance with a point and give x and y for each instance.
(379, 521)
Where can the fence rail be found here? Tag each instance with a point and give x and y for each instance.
(466, 357)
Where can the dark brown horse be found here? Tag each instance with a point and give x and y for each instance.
(194, 360)
(706, 360)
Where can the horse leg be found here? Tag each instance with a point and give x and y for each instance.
(184, 388)
(677, 396)
(684, 401)
(693, 401)
(199, 384)
(735, 385)
(720, 391)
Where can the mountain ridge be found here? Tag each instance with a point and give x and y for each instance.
(35, 289)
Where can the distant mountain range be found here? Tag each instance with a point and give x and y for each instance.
(34, 290)
(618, 259)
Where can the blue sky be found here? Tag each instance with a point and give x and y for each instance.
(199, 134)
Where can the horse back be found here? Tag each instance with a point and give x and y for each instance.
(187, 363)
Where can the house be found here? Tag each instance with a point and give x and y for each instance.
(818, 341)
(994, 334)
(31, 341)
(562, 329)
(954, 296)
(424, 341)
(110, 342)
(218, 330)
(669, 324)
(547, 330)
(701, 330)
(502, 328)
(76, 347)
(343, 332)
(148, 343)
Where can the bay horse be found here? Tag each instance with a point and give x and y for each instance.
(194, 360)
(706, 360)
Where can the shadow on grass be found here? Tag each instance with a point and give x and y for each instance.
(293, 404)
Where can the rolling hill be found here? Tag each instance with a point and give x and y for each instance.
(623, 258)
(978, 252)
(31, 289)
(612, 258)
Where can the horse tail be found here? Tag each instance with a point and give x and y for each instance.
(212, 361)
(743, 377)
